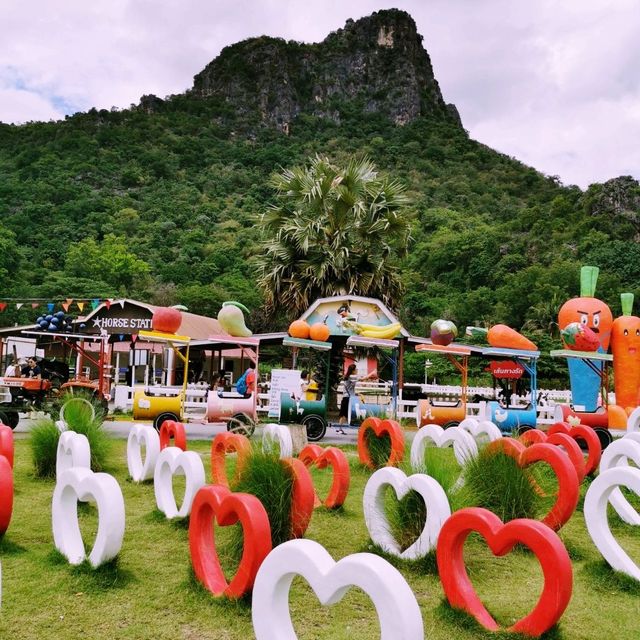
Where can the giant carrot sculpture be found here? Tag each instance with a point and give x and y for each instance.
(625, 346)
(596, 315)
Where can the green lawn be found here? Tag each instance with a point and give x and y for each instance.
(150, 593)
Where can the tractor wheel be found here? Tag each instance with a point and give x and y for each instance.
(604, 435)
(316, 428)
(241, 423)
(157, 423)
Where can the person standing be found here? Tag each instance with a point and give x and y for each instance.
(350, 379)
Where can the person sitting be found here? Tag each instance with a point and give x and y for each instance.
(13, 369)
(308, 386)
(32, 370)
(246, 384)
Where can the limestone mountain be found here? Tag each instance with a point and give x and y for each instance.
(377, 62)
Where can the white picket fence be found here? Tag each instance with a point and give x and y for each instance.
(376, 392)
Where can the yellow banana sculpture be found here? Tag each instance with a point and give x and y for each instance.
(385, 333)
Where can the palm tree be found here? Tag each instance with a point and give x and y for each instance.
(333, 230)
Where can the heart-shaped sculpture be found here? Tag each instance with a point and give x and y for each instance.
(396, 606)
(73, 451)
(463, 443)
(332, 457)
(6, 443)
(6, 494)
(568, 485)
(375, 517)
(139, 435)
(633, 421)
(379, 428)
(595, 516)
(570, 446)
(501, 538)
(481, 429)
(228, 442)
(277, 434)
(215, 503)
(172, 430)
(617, 454)
(302, 496)
(173, 461)
(80, 484)
(587, 435)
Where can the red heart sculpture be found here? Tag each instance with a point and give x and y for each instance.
(501, 538)
(6, 443)
(381, 427)
(303, 496)
(216, 503)
(6, 494)
(335, 458)
(171, 429)
(570, 446)
(568, 485)
(588, 435)
(222, 444)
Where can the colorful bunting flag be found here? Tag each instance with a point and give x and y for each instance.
(134, 337)
(65, 306)
(51, 306)
(19, 305)
(35, 305)
(80, 305)
(121, 336)
(107, 303)
(95, 303)
(3, 306)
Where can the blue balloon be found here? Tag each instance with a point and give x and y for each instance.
(60, 315)
(52, 327)
(55, 321)
(83, 326)
(43, 324)
(40, 319)
(48, 317)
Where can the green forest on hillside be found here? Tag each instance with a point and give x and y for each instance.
(163, 207)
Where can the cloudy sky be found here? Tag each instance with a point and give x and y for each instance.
(555, 84)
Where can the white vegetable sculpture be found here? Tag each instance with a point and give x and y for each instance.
(139, 435)
(80, 484)
(173, 461)
(434, 497)
(464, 446)
(396, 606)
(73, 451)
(595, 516)
(618, 454)
(277, 433)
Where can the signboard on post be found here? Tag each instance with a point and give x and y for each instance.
(506, 370)
(287, 380)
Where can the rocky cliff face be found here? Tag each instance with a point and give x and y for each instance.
(376, 64)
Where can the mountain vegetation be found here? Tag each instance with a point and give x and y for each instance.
(161, 201)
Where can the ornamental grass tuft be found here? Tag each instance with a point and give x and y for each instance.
(43, 438)
(379, 447)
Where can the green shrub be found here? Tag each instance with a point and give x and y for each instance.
(494, 480)
(43, 438)
(379, 447)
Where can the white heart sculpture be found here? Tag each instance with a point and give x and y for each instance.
(281, 434)
(632, 435)
(62, 426)
(142, 434)
(395, 603)
(464, 446)
(481, 429)
(432, 493)
(73, 451)
(595, 516)
(80, 484)
(173, 461)
(617, 454)
(633, 421)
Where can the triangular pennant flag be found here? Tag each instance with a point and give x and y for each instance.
(65, 306)
(122, 303)
(80, 305)
(107, 303)
(19, 305)
(35, 305)
(69, 301)
(95, 303)
(3, 306)
(51, 306)
(121, 336)
(134, 337)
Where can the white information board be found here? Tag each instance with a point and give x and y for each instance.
(282, 380)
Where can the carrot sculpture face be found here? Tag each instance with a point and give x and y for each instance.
(596, 315)
(625, 346)
(587, 310)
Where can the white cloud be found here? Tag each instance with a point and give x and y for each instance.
(554, 84)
